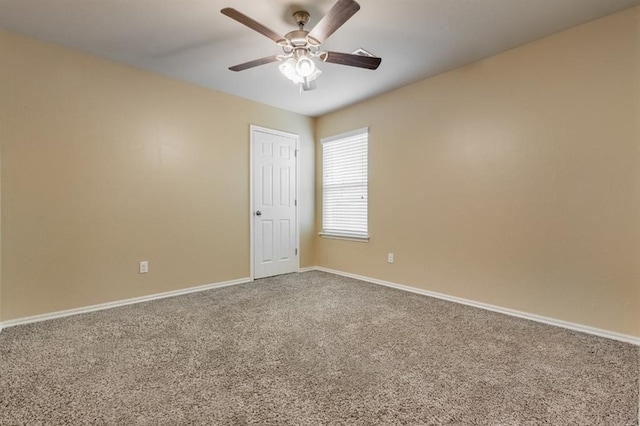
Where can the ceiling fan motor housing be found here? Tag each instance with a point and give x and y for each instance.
(298, 38)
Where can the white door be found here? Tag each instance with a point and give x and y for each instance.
(274, 212)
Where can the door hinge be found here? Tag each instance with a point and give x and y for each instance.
(295, 153)
(295, 203)
(296, 252)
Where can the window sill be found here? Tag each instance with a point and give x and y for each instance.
(346, 237)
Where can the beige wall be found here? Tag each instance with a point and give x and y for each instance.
(513, 181)
(104, 165)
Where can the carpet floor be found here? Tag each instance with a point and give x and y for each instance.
(311, 349)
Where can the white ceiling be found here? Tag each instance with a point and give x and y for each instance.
(191, 40)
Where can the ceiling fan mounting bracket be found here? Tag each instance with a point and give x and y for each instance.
(301, 18)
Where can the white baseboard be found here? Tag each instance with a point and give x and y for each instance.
(512, 312)
(93, 308)
(109, 305)
(545, 320)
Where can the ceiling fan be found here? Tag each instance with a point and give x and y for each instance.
(300, 46)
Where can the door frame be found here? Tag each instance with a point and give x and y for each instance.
(252, 129)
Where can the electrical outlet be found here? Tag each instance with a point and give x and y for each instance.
(144, 267)
(390, 257)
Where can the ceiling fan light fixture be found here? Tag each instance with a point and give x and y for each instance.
(305, 66)
(314, 75)
(301, 70)
(288, 69)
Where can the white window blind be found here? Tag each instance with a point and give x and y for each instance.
(344, 185)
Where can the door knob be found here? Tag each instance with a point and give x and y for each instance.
(258, 213)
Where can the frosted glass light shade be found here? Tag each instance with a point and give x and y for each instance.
(300, 70)
(305, 66)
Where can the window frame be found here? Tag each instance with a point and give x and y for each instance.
(360, 237)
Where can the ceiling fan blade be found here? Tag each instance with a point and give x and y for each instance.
(254, 25)
(254, 63)
(360, 61)
(337, 15)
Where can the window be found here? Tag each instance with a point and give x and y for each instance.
(344, 185)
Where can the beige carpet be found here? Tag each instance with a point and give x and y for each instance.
(311, 348)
